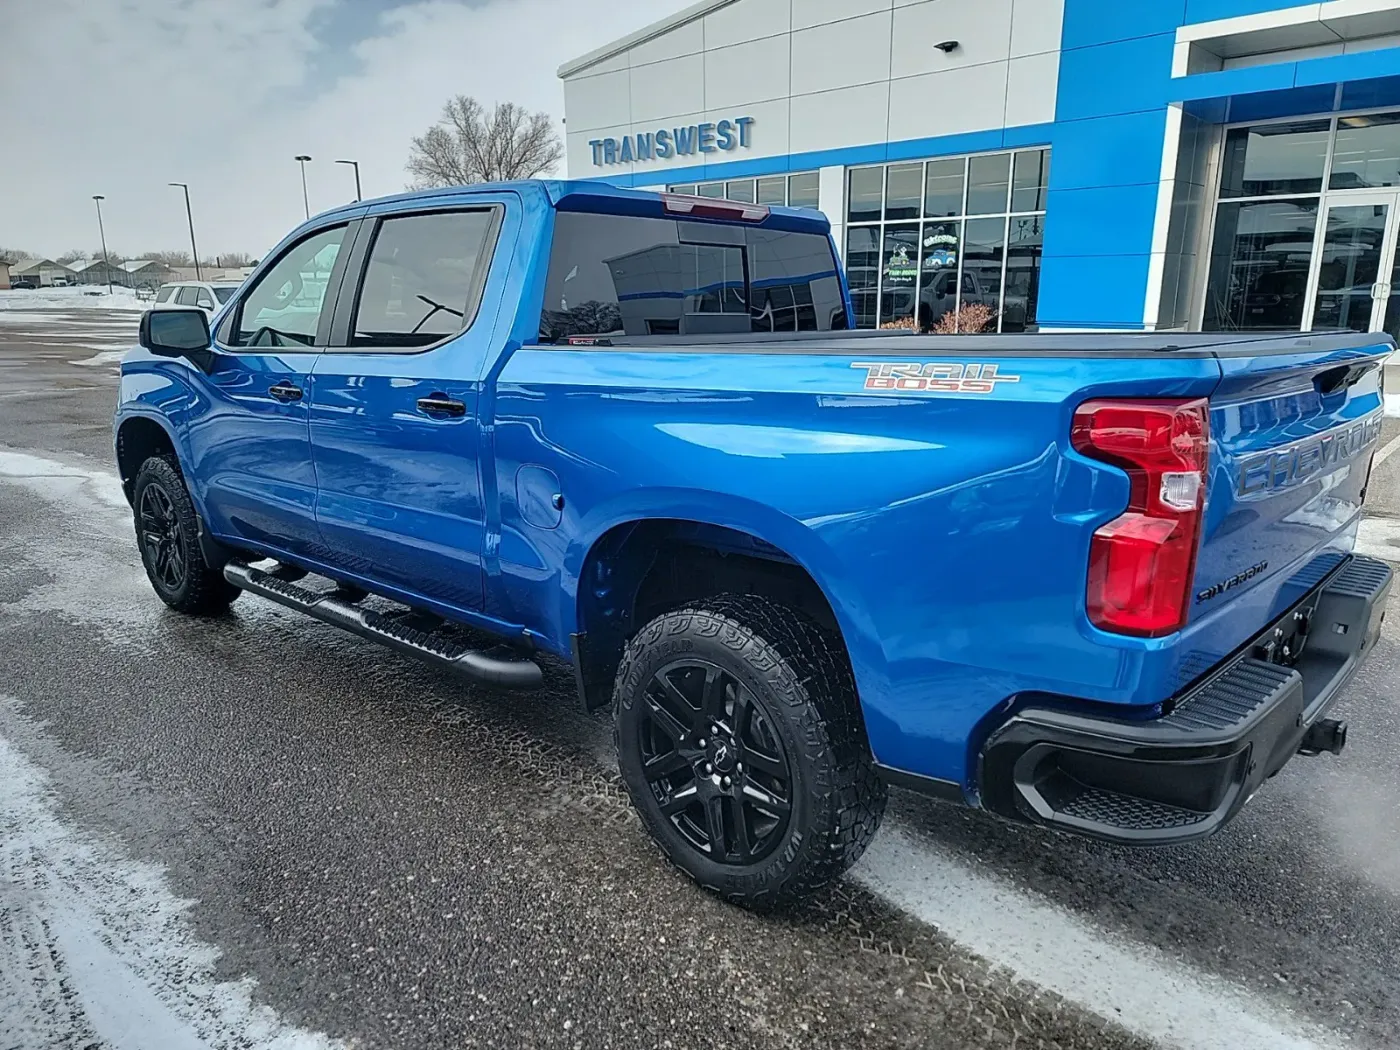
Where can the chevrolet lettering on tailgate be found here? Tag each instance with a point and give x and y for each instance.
(1284, 467)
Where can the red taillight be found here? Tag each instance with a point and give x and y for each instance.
(1142, 563)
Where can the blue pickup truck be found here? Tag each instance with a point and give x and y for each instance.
(1102, 583)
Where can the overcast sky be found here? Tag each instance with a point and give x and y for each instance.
(121, 97)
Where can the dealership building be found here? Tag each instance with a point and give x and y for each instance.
(1070, 164)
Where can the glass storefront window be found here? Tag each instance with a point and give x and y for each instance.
(899, 274)
(772, 190)
(864, 193)
(710, 189)
(988, 180)
(1349, 265)
(1259, 264)
(909, 272)
(741, 191)
(941, 252)
(904, 190)
(686, 188)
(1023, 259)
(1367, 152)
(943, 187)
(803, 190)
(863, 272)
(984, 250)
(1030, 180)
(1275, 159)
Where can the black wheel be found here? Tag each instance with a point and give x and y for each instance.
(167, 531)
(740, 740)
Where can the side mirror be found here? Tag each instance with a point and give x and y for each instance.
(182, 332)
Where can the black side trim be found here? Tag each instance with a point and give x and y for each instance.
(933, 787)
(499, 666)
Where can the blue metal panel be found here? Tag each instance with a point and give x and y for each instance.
(1135, 68)
(1106, 220)
(1093, 291)
(1369, 94)
(1364, 65)
(1269, 104)
(1123, 150)
(1089, 22)
(1227, 82)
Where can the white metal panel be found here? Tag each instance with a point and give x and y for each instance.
(826, 120)
(958, 100)
(1037, 26)
(841, 54)
(1031, 85)
(662, 88)
(598, 101)
(753, 72)
(686, 39)
(808, 13)
(831, 194)
(747, 20)
(983, 32)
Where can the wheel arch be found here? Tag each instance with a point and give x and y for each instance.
(138, 438)
(641, 566)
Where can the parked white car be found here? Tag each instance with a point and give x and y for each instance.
(206, 295)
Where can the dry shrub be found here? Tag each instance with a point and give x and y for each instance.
(968, 320)
(903, 324)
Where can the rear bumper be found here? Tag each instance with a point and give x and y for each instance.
(1185, 774)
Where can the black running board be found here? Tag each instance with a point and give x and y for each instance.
(502, 671)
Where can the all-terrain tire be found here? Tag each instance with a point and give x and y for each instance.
(167, 534)
(798, 676)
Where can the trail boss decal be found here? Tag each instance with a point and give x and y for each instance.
(933, 378)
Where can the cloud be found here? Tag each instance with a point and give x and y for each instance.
(122, 98)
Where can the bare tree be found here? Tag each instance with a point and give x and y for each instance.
(171, 257)
(72, 255)
(233, 260)
(468, 145)
(10, 256)
(115, 258)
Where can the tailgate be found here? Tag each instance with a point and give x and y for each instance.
(1292, 438)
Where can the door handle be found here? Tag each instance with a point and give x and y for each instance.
(441, 405)
(285, 391)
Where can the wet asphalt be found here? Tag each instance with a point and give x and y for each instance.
(401, 860)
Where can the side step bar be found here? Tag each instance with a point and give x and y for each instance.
(480, 665)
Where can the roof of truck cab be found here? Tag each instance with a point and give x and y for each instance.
(577, 195)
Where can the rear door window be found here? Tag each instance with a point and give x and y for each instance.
(633, 276)
(187, 296)
(163, 296)
(423, 279)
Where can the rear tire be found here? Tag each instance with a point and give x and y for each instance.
(167, 533)
(740, 740)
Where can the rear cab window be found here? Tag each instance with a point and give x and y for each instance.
(423, 278)
(635, 276)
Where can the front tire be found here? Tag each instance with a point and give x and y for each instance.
(740, 740)
(167, 532)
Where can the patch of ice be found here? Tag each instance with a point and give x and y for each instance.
(1379, 538)
(1136, 985)
(106, 357)
(104, 953)
(58, 481)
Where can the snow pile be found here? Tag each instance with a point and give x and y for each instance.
(80, 298)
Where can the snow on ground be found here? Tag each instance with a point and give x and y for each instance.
(71, 299)
(105, 357)
(1392, 405)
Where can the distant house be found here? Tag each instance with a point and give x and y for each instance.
(43, 272)
(145, 273)
(4, 275)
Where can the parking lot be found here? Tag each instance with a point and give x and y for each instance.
(258, 831)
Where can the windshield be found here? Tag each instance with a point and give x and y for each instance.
(226, 293)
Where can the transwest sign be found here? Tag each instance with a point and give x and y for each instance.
(674, 142)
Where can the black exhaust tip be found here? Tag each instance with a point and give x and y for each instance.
(1328, 735)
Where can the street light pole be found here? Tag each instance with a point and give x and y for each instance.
(356, 165)
(98, 198)
(301, 159)
(198, 275)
